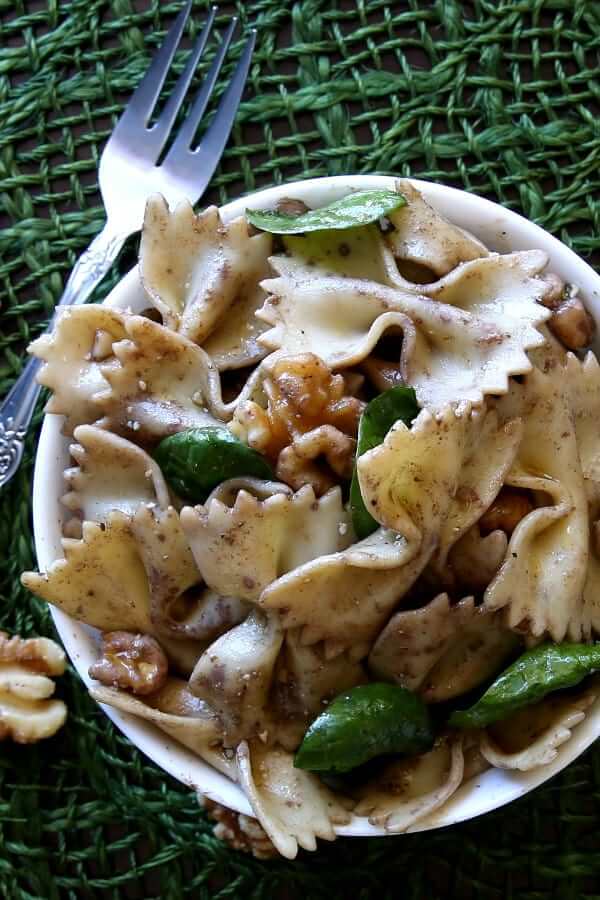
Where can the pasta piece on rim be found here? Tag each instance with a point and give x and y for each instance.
(179, 714)
(461, 343)
(199, 272)
(442, 650)
(582, 381)
(422, 235)
(532, 736)
(293, 806)
(241, 549)
(74, 354)
(413, 788)
(103, 582)
(101, 579)
(112, 473)
(549, 545)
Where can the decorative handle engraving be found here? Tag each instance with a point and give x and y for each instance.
(17, 408)
(11, 449)
(91, 267)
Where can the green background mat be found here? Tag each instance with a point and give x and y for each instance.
(496, 97)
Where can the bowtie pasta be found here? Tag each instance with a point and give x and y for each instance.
(334, 504)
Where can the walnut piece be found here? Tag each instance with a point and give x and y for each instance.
(296, 464)
(132, 662)
(571, 323)
(26, 713)
(510, 506)
(289, 206)
(240, 832)
(310, 412)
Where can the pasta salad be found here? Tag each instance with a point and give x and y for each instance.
(334, 504)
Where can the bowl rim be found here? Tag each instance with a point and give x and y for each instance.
(497, 226)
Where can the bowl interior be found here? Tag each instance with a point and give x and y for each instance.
(500, 230)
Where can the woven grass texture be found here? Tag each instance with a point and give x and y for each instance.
(501, 98)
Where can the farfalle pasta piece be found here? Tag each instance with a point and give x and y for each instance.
(407, 484)
(305, 681)
(582, 384)
(493, 448)
(421, 235)
(461, 342)
(179, 714)
(163, 384)
(241, 549)
(475, 559)
(293, 806)
(532, 736)
(74, 354)
(27, 665)
(234, 676)
(344, 598)
(103, 580)
(550, 545)
(111, 474)
(353, 253)
(409, 790)
(409, 481)
(181, 606)
(202, 275)
(442, 650)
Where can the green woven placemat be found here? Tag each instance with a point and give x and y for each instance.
(502, 98)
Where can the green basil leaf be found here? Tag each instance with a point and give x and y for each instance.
(194, 462)
(380, 414)
(539, 671)
(360, 208)
(369, 720)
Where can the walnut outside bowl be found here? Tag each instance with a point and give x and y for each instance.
(501, 230)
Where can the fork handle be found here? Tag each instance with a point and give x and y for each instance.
(17, 408)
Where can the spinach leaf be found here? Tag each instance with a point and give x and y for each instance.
(196, 461)
(369, 720)
(360, 208)
(539, 671)
(380, 414)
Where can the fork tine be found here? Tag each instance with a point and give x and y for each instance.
(189, 127)
(197, 166)
(173, 104)
(139, 109)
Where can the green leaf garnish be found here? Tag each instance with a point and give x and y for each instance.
(369, 720)
(360, 208)
(194, 462)
(380, 414)
(540, 671)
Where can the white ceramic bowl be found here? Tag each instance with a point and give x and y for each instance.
(500, 230)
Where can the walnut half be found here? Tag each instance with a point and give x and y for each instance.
(132, 662)
(26, 713)
(240, 832)
(570, 322)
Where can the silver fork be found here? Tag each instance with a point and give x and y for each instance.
(128, 174)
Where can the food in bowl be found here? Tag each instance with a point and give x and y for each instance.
(334, 504)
